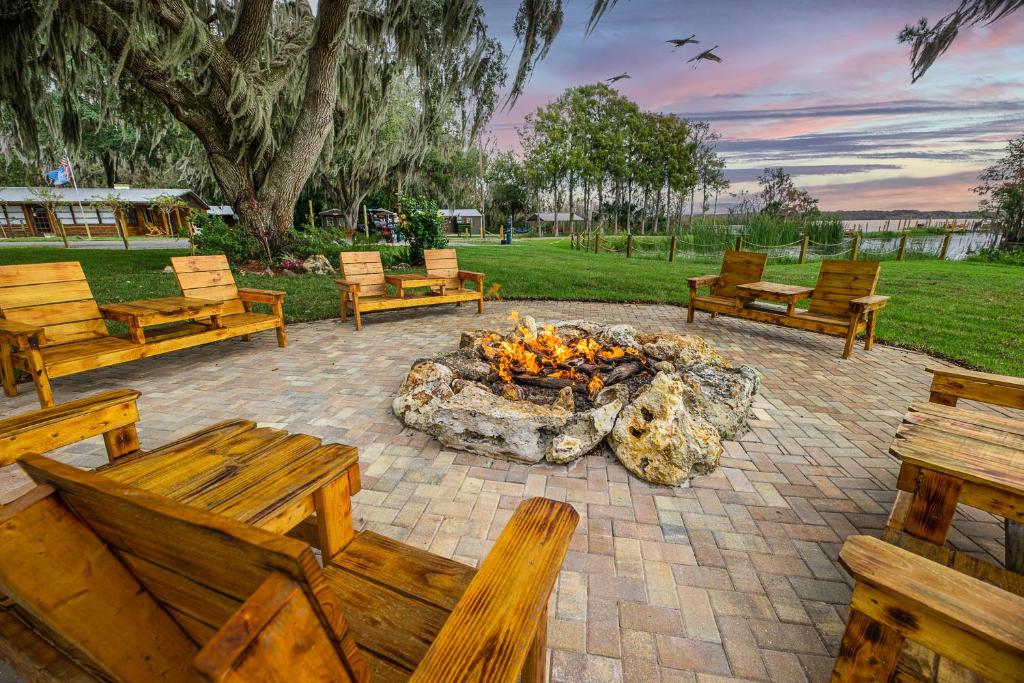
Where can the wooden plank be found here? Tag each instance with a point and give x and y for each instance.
(359, 257)
(202, 279)
(387, 623)
(215, 292)
(491, 630)
(194, 264)
(333, 502)
(956, 434)
(55, 568)
(987, 392)
(389, 303)
(988, 421)
(932, 507)
(33, 657)
(44, 315)
(40, 273)
(411, 571)
(44, 294)
(957, 616)
(868, 650)
(360, 268)
(986, 464)
(277, 635)
(51, 428)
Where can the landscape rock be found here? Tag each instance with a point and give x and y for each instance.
(616, 392)
(685, 350)
(465, 363)
(583, 432)
(659, 439)
(478, 421)
(168, 269)
(722, 395)
(318, 265)
(427, 385)
(565, 399)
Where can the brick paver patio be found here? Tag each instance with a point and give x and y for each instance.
(734, 577)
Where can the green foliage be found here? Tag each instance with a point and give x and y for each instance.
(423, 225)
(309, 240)
(214, 236)
(1002, 191)
(765, 230)
(1010, 257)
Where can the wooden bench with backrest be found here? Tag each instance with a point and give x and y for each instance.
(843, 304)
(738, 268)
(99, 579)
(904, 604)
(363, 287)
(51, 326)
(209, 277)
(445, 263)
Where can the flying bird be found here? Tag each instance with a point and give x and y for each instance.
(708, 55)
(621, 76)
(679, 42)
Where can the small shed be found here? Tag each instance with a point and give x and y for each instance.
(458, 220)
(225, 211)
(23, 213)
(553, 220)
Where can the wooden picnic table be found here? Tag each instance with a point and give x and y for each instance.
(952, 455)
(772, 291)
(166, 309)
(264, 477)
(401, 282)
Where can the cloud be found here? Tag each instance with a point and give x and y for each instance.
(898, 108)
(743, 175)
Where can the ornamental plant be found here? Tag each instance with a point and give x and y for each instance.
(423, 225)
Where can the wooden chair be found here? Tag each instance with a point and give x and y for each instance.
(209, 277)
(50, 326)
(445, 263)
(904, 603)
(844, 302)
(738, 268)
(363, 287)
(105, 581)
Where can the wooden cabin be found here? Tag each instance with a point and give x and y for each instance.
(23, 214)
(457, 221)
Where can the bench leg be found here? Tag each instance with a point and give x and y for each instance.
(282, 336)
(480, 304)
(869, 340)
(39, 377)
(7, 370)
(355, 313)
(851, 337)
(344, 305)
(689, 311)
(868, 651)
(535, 666)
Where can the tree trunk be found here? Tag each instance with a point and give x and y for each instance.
(109, 168)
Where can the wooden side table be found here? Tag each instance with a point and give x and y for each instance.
(402, 282)
(772, 291)
(168, 309)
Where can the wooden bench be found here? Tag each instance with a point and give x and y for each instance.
(106, 581)
(738, 268)
(209, 277)
(363, 286)
(51, 326)
(445, 263)
(843, 303)
(904, 603)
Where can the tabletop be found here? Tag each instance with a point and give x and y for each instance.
(775, 288)
(262, 476)
(166, 309)
(406, 278)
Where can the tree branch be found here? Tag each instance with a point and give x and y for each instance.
(252, 21)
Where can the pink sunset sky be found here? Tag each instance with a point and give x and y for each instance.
(820, 88)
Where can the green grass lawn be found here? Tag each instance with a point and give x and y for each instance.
(970, 312)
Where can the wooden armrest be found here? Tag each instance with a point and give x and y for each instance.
(261, 296)
(955, 615)
(19, 335)
(489, 633)
(352, 286)
(470, 275)
(950, 384)
(111, 413)
(869, 303)
(702, 281)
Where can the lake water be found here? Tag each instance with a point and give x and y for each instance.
(961, 244)
(895, 224)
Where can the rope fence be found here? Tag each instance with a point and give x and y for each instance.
(670, 248)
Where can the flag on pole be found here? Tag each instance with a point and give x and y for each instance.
(61, 175)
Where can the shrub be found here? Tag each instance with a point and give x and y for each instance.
(214, 236)
(309, 241)
(1010, 257)
(423, 225)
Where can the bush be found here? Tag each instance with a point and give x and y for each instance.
(423, 225)
(309, 241)
(1010, 257)
(214, 236)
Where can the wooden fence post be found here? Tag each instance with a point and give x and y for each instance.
(804, 243)
(629, 245)
(739, 242)
(902, 250)
(945, 246)
(597, 242)
(672, 249)
(501, 234)
(855, 247)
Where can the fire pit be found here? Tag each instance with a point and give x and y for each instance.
(660, 402)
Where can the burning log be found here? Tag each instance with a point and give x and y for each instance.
(556, 383)
(622, 372)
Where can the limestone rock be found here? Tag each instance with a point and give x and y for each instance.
(565, 399)
(318, 264)
(616, 392)
(658, 439)
(678, 348)
(466, 363)
(722, 395)
(427, 386)
(478, 421)
(583, 432)
(168, 269)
